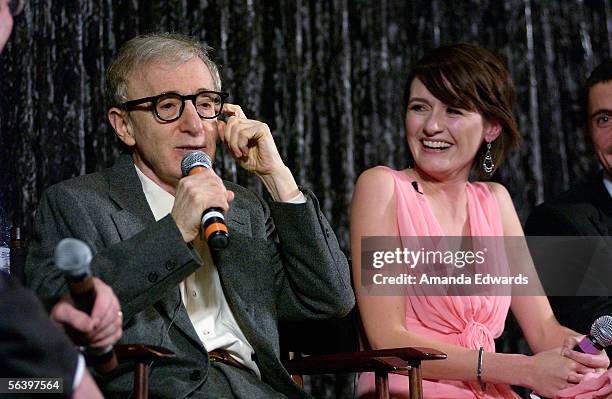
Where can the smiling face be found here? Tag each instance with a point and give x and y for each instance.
(443, 140)
(600, 123)
(159, 146)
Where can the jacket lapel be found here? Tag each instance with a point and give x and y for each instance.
(134, 216)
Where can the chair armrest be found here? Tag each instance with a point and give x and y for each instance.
(140, 353)
(385, 360)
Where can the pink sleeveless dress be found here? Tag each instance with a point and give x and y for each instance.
(468, 321)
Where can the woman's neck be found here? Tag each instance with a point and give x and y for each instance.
(447, 200)
(452, 188)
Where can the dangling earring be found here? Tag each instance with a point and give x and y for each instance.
(487, 164)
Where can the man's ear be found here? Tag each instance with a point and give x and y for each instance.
(118, 119)
(492, 131)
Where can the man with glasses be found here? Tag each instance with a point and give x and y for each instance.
(218, 310)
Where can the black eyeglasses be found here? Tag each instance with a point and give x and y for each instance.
(170, 106)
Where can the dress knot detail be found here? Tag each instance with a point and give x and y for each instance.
(475, 335)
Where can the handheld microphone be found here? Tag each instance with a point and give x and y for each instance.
(599, 338)
(73, 257)
(213, 222)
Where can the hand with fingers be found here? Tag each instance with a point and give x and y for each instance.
(595, 381)
(598, 362)
(251, 144)
(558, 370)
(100, 329)
(553, 372)
(249, 141)
(195, 194)
(591, 387)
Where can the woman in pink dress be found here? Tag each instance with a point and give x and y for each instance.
(458, 119)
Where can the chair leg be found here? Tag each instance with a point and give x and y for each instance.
(141, 381)
(415, 382)
(381, 380)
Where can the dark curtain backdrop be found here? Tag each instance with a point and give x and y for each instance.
(327, 76)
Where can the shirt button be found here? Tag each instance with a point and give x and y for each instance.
(152, 277)
(193, 293)
(206, 332)
(170, 265)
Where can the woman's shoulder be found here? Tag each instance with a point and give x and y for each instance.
(489, 188)
(378, 181)
(382, 174)
(375, 179)
(511, 224)
(502, 196)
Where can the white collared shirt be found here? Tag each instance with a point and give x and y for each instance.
(608, 183)
(202, 293)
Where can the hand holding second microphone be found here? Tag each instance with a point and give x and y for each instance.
(588, 350)
(102, 329)
(594, 362)
(73, 257)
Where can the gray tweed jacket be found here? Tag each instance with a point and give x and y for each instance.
(283, 262)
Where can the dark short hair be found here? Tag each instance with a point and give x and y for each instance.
(470, 77)
(601, 74)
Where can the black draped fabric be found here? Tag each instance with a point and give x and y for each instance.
(326, 75)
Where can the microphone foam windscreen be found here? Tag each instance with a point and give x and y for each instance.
(193, 159)
(601, 331)
(73, 256)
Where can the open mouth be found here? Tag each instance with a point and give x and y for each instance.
(435, 145)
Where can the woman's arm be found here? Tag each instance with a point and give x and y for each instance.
(373, 214)
(545, 336)
(533, 313)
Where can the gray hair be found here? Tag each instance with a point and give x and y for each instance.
(171, 47)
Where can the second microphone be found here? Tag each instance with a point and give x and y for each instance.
(213, 222)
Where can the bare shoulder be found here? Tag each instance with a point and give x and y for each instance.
(376, 175)
(374, 192)
(501, 193)
(510, 220)
(376, 181)
(374, 200)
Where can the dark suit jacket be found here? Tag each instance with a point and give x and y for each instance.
(31, 345)
(283, 262)
(585, 210)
